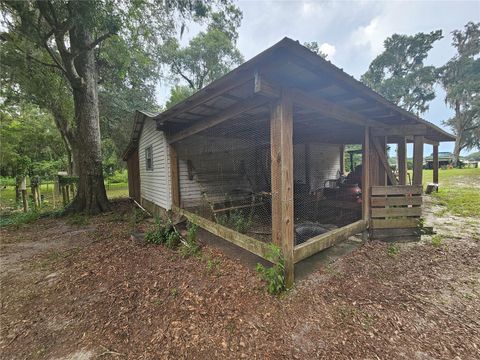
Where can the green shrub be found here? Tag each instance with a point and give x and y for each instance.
(274, 275)
(18, 218)
(190, 246)
(173, 239)
(158, 234)
(437, 240)
(118, 177)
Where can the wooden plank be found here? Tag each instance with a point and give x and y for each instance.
(435, 164)
(234, 110)
(174, 176)
(244, 241)
(342, 159)
(276, 174)
(399, 130)
(395, 201)
(417, 160)
(394, 223)
(324, 241)
(286, 195)
(384, 161)
(330, 109)
(266, 88)
(397, 190)
(396, 211)
(366, 175)
(402, 161)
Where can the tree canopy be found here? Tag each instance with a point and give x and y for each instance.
(399, 72)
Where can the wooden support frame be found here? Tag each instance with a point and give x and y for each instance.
(400, 130)
(366, 175)
(245, 105)
(328, 108)
(435, 164)
(417, 160)
(324, 241)
(174, 176)
(384, 161)
(402, 161)
(246, 242)
(281, 123)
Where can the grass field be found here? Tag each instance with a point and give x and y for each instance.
(459, 190)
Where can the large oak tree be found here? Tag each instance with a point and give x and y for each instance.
(70, 32)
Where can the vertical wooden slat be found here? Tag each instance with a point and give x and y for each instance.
(174, 177)
(275, 146)
(435, 164)
(366, 175)
(417, 160)
(382, 174)
(282, 180)
(342, 159)
(402, 161)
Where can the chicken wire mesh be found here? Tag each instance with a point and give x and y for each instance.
(324, 197)
(224, 175)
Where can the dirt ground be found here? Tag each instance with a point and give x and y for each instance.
(90, 292)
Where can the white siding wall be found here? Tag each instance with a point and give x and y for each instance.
(155, 184)
(324, 164)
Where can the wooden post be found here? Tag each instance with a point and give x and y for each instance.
(342, 159)
(435, 164)
(417, 160)
(67, 192)
(174, 177)
(402, 161)
(64, 194)
(382, 174)
(366, 175)
(282, 181)
(24, 200)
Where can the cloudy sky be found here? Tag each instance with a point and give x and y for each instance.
(352, 32)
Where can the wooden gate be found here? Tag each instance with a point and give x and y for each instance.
(396, 212)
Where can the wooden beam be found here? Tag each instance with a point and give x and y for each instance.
(396, 211)
(174, 177)
(324, 241)
(397, 190)
(315, 102)
(395, 223)
(399, 130)
(282, 180)
(395, 201)
(435, 164)
(417, 160)
(342, 159)
(384, 161)
(245, 242)
(366, 175)
(234, 110)
(402, 161)
(206, 94)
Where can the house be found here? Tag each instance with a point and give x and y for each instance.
(257, 157)
(444, 159)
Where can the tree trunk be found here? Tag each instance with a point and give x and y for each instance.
(91, 195)
(457, 149)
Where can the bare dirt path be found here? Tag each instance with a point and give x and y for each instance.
(89, 292)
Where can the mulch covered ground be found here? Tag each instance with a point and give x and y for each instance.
(88, 291)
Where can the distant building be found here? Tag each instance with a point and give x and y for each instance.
(444, 159)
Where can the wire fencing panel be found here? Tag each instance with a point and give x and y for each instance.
(323, 198)
(224, 174)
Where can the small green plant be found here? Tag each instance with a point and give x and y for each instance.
(174, 292)
(190, 245)
(236, 220)
(158, 234)
(18, 218)
(213, 265)
(436, 240)
(274, 275)
(393, 250)
(173, 239)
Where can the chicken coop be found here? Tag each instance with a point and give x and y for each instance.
(259, 156)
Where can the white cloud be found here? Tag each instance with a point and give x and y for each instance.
(328, 49)
(371, 36)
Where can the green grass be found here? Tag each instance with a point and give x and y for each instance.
(459, 190)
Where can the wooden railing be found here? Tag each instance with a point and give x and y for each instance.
(395, 207)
